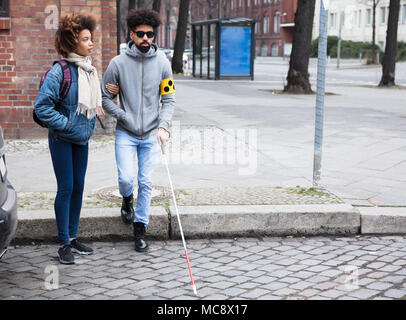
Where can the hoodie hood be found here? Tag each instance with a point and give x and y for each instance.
(133, 51)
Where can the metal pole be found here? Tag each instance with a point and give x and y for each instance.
(339, 40)
(219, 8)
(321, 77)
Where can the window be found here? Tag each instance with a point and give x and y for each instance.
(258, 21)
(369, 15)
(359, 18)
(383, 14)
(276, 22)
(333, 20)
(4, 8)
(248, 3)
(240, 3)
(404, 13)
(232, 4)
(266, 25)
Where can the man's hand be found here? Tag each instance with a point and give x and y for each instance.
(163, 136)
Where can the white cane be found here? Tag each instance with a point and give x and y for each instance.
(177, 214)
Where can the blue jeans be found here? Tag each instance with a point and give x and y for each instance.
(70, 162)
(127, 148)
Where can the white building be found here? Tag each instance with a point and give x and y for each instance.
(356, 18)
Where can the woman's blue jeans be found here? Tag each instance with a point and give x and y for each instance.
(127, 149)
(70, 162)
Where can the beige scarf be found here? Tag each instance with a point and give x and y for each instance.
(88, 84)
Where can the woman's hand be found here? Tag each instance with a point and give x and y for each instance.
(99, 112)
(113, 88)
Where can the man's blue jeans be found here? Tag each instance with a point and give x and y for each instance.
(70, 162)
(127, 148)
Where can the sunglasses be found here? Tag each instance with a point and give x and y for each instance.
(140, 34)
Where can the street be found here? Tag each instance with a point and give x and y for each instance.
(315, 268)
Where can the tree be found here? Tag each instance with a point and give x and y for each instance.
(156, 5)
(131, 5)
(177, 59)
(298, 75)
(389, 58)
(374, 5)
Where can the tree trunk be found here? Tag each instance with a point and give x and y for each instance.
(373, 58)
(298, 75)
(131, 5)
(156, 6)
(177, 59)
(140, 4)
(389, 58)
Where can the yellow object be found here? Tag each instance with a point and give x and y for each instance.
(167, 86)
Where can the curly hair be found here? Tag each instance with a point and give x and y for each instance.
(142, 16)
(66, 37)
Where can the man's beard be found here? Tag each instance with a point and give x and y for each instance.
(143, 49)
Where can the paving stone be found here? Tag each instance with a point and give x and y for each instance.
(301, 285)
(381, 286)
(332, 293)
(363, 293)
(222, 284)
(233, 291)
(396, 293)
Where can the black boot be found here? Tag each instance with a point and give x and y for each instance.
(127, 209)
(139, 233)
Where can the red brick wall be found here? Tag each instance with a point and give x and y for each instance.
(27, 51)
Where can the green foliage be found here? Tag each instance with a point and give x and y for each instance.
(349, 49)
(401, 51)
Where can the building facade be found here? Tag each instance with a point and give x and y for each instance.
(356, 20)
(274, 20)
(27, 30)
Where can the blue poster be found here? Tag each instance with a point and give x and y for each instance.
(235, 54)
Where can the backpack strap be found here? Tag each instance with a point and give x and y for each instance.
(66, 79)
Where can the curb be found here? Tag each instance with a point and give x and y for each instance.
(383, 220)
(201, 222)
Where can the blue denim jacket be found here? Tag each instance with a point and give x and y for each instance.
(64, 123)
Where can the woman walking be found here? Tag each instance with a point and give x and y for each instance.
(70, 124)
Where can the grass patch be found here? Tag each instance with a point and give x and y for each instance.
(309, 192)
(373, 86)
(276, 91)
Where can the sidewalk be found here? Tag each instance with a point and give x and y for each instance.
(266, 188)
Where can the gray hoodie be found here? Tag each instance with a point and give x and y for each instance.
(139, 76)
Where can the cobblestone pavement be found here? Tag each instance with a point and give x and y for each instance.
(360, 267)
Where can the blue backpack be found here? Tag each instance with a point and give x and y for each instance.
(63, 90)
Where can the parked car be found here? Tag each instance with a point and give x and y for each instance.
(8, 203)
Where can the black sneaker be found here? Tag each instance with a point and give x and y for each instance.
(65, 255)
(80, 248)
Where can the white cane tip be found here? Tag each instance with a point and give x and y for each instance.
(194, 290)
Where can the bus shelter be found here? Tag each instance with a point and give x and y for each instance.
(224, 48)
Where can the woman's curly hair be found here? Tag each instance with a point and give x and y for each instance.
(142, 16)
(66, 37)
